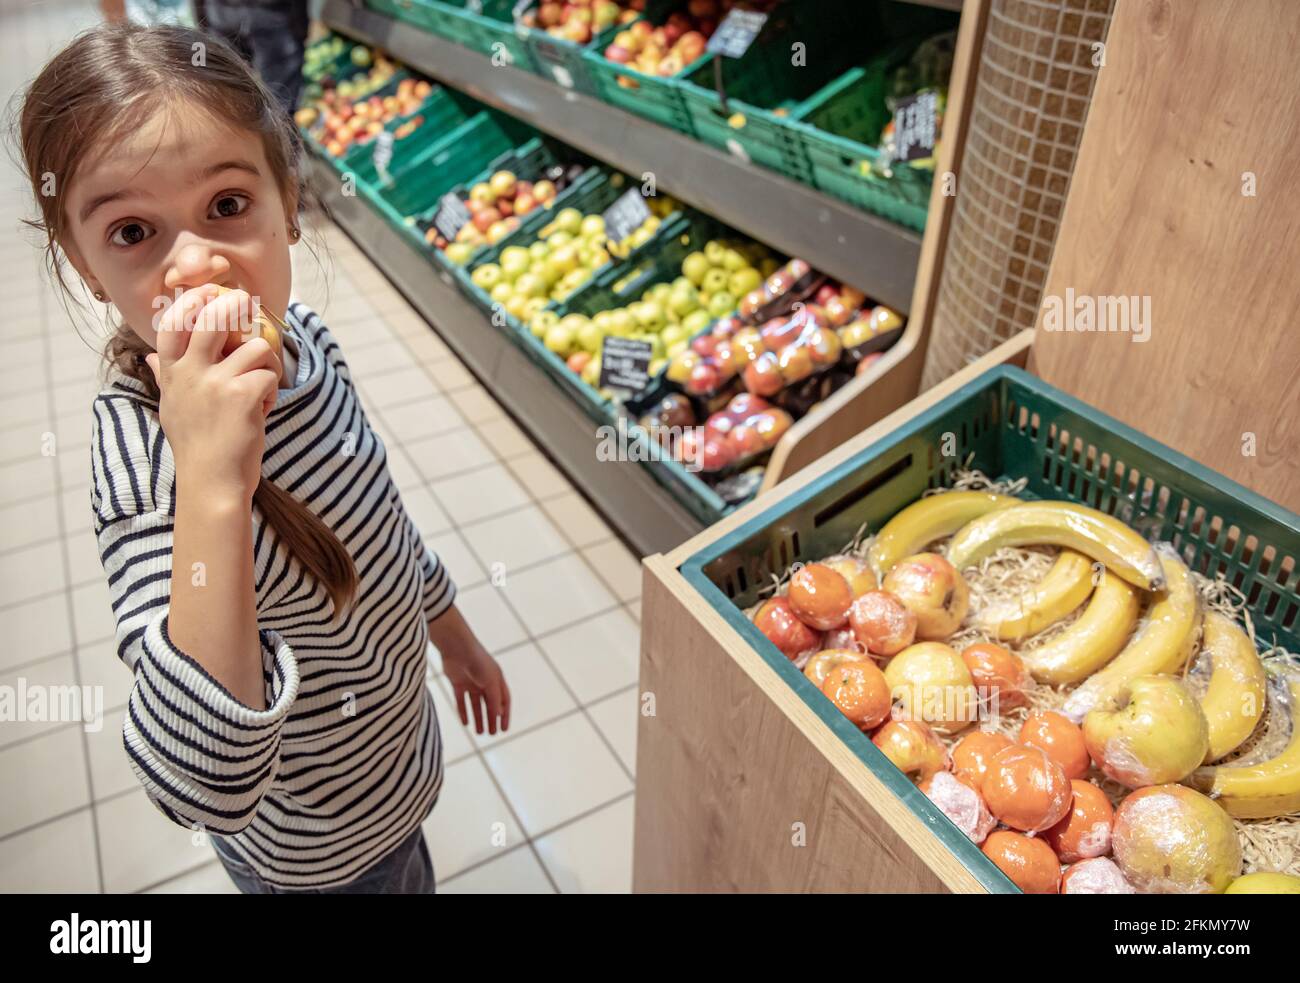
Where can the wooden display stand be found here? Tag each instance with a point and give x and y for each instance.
(740, 786)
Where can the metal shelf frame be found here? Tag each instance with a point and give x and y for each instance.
(642, 511)
(870, 253)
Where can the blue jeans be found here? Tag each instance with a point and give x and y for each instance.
(408, 869)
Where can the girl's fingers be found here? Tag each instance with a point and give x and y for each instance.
(476, 701)
(226, 314)
(254, 354)
(260, 384)
(505, 705)
(174, 325)
(460, 694)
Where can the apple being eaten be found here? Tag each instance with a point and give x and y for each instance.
(1158, 735)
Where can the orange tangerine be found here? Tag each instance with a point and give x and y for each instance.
(1026, 789)
(1100, 875)
(860, 691)
(971, 756)
(820, 597)
(1060, 738)
(997, 670)
(1029, 862)
(820, 665)
(1084, 833)
(882, 623)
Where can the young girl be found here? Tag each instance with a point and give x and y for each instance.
(273, 599)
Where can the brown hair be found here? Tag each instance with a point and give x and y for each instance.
(109, 80)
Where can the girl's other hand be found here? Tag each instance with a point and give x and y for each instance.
(473, 673)
(213, 409)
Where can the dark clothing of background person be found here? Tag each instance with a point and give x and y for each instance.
(271, 35)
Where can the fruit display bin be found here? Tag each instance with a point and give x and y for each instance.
(797, 758)
(528, 162)
(417, 12)
(562, 61)
(485, 26)
(459, 154)
(839, 127)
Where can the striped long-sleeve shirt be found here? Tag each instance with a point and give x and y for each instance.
(346, 761)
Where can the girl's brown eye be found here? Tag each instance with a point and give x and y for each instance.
(130, 234)
(228, 206)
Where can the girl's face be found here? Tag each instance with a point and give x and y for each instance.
(183, 201)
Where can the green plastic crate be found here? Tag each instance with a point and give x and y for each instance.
(564, 62)
(527, 162)
(1016, 426)
(485, 26)
(840, 127)
(456, 157)
(417, 12)
(444, 110)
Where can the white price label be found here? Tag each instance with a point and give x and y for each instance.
(737, 150)
(562, 76)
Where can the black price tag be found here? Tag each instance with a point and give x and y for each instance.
(915, 129)
(625, 363)
(736, 33)
(451, 216)
(626, 215)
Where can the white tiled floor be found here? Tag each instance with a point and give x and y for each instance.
(552, 592)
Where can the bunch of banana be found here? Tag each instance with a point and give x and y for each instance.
(1066, 585)
(1162, 644)
(1064, 524)
(926, 520)
(1250, 789)
(1235, 696)
(1093, 640)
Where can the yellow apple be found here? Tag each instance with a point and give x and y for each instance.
(1158, 735)
(1170, 839)
(931, 683)
(1265, 883)
(932, 589)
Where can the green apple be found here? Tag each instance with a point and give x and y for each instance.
(590, 337)
(658, 294)
(539, 250)
(591, 374)
(1159, 735)
(682, 282)
(569, 220)
(743, 281)
(559, 339)
(515, 261)
(502, 292)
(733, 260)
(574, 322)
(657, 365)
(716, 279)
(533, 305)
(621, 322)
(542, 322)
(487, 276)
(640, 237)
(676, 348)
(649, 315)
(517, 307)
(592, 225)
(564, 259)
(683, 302)
(696, 321)
(673, 334)
(695, 266)
(721, 304)
(714, 251)
(459, 252)
(530, 285)
(557, 239)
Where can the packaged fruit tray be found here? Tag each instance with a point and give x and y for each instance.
(533, 179)
(563, 242)
(558, 36)
(1104, 483)
(459, 154)
(840, 127)
(485, 26)
(637, 66)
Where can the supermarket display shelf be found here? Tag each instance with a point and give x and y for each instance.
(629, 498)
(869, 252)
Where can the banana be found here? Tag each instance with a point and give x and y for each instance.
(1066, 524)
(1261, 789)
(1163, 642)
(1093, 640)
(928, 519)
(1235, 697)
(1067, 585)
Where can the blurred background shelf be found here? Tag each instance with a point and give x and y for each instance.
(642, 511)
(877, 256)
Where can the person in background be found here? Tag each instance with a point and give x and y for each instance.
(271, 35)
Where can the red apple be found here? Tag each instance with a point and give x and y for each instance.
(776, 620)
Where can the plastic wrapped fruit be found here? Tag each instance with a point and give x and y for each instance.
(745, 428)
(1026, 789)
(857, 571)
(1096, 876)
(781, 290)
(1029, 862)
(972, 754)
(820, 665)
(777, 620)
(912, 747)
(932, 589)
(820, 596)
(860, 692)
(1085, 831)
(882, 623)
(1059, 738)
(1169, 839)
(962, 804)
(998, 674)
(931, 683)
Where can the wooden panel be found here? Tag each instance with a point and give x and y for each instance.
(896, 377)
(1193, 95)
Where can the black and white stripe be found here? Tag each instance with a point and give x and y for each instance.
(346, 760)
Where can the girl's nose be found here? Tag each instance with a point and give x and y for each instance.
(193, 264)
